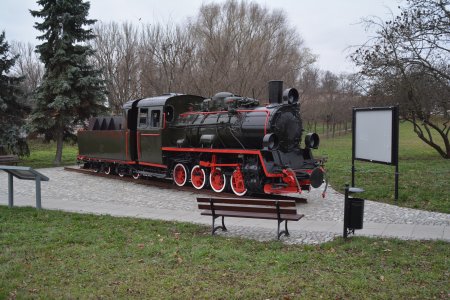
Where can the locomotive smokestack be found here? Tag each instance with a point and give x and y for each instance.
(275, 91)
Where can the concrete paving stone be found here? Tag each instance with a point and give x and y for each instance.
(398, 230)
(428, 232)
(327, 226)
(372, 229)
(446, 235)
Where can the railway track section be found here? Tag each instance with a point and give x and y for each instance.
(166, 184)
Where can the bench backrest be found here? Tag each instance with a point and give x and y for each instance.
(248, 205)
(8, 159)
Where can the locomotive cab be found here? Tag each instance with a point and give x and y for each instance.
(152, 119)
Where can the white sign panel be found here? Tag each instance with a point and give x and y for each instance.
(373, 135)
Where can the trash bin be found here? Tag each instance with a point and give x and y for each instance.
(353, 211)
(356, 213)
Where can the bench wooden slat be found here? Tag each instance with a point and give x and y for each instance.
(9, 159)
(282, 203)
(256, 209)
(280, 210)
(289, 217)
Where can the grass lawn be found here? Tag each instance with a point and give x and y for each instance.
(42, 154)
(424, 180)
(51, 254)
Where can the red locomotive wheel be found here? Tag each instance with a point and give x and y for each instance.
(198, 177)
(238, 183)
(217, 180)
(180, 175)
(136, 175)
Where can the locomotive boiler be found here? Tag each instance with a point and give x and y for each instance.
(226, 141)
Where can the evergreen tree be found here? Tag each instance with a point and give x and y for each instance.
(72, 89)
(12, 112)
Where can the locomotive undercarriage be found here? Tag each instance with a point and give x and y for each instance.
(240, 173)
(121, 169)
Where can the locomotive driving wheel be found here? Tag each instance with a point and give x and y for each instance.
(238, 183)
(217, 180)
(198, 177)
(180, 175)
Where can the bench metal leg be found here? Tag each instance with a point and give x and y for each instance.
(38, 192)
(286, 229)
(285, 232)
(280, 220)
(214, 228)
(10, 190)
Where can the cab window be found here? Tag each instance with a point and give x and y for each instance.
(143, 117)
(156, 119)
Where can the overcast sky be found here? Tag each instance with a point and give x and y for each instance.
(328, 27)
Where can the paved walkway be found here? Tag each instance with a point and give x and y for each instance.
(323, 219)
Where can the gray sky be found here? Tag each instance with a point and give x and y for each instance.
(328, 27)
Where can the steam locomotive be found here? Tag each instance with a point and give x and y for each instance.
(226, 141)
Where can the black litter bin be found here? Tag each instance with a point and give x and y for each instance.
(353, 211)
(356, 213)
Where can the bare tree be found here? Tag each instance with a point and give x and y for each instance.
(166, 55)
(328, 98)
(234, 46)
(117, 55)
(409, 57)
(29, 67)
(309, 85)
(243, 45)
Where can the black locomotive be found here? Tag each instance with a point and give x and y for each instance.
(226, 140)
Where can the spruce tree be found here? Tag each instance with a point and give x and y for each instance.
(12, 112)
(72, 89)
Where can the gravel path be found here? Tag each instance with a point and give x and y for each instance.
(84, 193)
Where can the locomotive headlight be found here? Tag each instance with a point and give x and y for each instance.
(291, 96)
(312, 140)
(270, 141)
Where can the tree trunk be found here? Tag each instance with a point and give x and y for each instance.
(428, 138)
(59, 146)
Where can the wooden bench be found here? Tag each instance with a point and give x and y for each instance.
(280, 210)
(9, 160)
